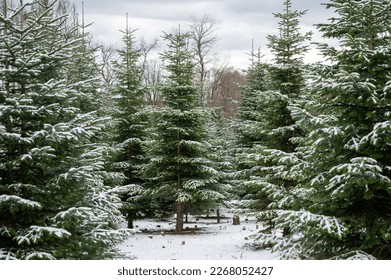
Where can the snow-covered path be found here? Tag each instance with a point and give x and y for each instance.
(209, 240)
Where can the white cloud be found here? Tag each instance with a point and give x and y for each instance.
(239, 21)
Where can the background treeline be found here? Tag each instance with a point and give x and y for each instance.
(93, 138)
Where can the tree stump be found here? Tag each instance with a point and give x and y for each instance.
(236, 220)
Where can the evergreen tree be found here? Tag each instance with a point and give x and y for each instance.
(180, 173)
(131, 125)
(287, 77)
(289, 49)
(55, 201)
(222, 138)
(252, 131)
(344, 187)
(266, 127)
(250, 115)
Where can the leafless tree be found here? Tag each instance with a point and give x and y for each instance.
(153, 75)
(225, 90)
(202, 30)
(151, 71)
(146, 48)
(107, 54)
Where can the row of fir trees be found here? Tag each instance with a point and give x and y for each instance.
(79, 159)
(57, 198)
(308, 153)
(313, 153)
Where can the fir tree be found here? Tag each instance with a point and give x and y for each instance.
(55, 202)
(180, 173)
(252, 131)
(289, 48)
(131, 125)
(250, 113)
(266, 126)
(344, 187)
(222, 139)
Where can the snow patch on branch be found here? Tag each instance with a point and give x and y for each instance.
(14, 199)
(36, 233)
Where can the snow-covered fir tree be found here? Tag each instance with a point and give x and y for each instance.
(289, 49)
(250, 110)
(266, 127)
(222, 138)
(344, 187)
(252, 131)
(55, 201)
(179, 171)
(131, 125)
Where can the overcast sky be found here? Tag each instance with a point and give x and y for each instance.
(238, 21)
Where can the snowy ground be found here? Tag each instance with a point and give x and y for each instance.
(203, 240)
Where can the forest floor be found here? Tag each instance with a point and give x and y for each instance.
(203, 239)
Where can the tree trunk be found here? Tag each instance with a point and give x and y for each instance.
(130, 220)
(218, 215)
(179, 217)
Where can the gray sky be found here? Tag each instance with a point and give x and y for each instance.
(238, 21)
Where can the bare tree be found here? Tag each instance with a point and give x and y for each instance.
(108, 54)
(203, 38)
(4, 9)
(146, 48)
(153, 75)
(151, 71)
(225, 90)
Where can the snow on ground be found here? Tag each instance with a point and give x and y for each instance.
(204, 239)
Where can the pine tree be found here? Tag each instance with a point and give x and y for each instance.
(131, 125)
(344, 188)
(180, 173)
(55, 201)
